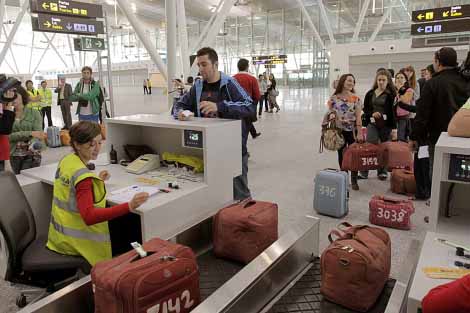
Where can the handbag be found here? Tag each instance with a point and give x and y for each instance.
(24, 158)
(331, 136)
(274, 92)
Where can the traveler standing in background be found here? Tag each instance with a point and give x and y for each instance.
(442, 97)
(146, 90)
(348, 108)
(379, 115)
(263, 89)
(404, 95)
(411, 74)
(422, 79)
(87, 93)
(34, 97)
(272, 94)
(250, 84)
(149, 85)
(46, 103)
(64, 92)
(80, 200)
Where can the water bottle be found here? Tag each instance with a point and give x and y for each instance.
(113, 156)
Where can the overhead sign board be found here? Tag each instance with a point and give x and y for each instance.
(89, 44)
(440, 27)
(67, 25)
(67, 8)
(270, 59)
(445, 13)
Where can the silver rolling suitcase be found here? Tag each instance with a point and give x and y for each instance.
(53, 137)
(331, 194)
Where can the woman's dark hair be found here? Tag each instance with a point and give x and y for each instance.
(274, 78)
(83, 132)
(342, 80)
(21, 91)
(260, 75)
(190, 80)
(402, 72)
(390, 85)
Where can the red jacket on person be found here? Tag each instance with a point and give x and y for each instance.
(453, 297)
(250, 84)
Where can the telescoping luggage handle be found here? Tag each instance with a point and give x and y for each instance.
(142, 253)
(245, 203)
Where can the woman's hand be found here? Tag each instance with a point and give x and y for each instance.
(377, 116)
(39, 135)
(104, 175)
(138, 200)
(329, 104)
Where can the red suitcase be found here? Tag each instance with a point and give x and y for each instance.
(245, 229)
(362, 157)
(403, 182)
(396, 154)
(166, 280)
(389, 212)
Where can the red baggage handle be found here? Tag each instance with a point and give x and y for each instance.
(386, 199)
(336, 233)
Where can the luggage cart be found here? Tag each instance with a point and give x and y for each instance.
(284, 278)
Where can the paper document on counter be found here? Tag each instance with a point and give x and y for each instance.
(126, 194)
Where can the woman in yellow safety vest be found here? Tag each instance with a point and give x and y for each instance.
(79, 215)
(34, 96)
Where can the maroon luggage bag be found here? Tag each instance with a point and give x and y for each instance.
(167, 279)
(245, 229)
(396, 155)
(389, 212)
(362, 157)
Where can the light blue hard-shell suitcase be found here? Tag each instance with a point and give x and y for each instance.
(331, 195)
(53, 137)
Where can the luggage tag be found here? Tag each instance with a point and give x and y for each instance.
(139, 249)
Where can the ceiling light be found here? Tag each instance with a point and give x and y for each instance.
(134, 7)
(212, 8)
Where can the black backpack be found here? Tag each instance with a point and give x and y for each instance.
(465, 68)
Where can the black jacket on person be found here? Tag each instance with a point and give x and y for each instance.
(369, 110)
(442, 97)
(7, 119)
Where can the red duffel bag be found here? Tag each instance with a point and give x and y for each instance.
(245, 229)
(356, 266)
(396, 154)
(168, 277)
(403, 182)
(362, 157)
(389, 212)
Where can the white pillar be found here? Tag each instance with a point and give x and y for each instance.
(2, 13)
(203, 35)
(72, 54)
(183, 37)
(12, 34)
(31, 54)
(139, 30)
(170, 10)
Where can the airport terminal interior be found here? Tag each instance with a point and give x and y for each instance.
(260, 156)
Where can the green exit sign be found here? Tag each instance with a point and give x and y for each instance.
(89, 44)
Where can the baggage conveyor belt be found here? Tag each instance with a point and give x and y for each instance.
(285, 278)
(303, 297)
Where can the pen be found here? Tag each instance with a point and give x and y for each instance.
(452, 244)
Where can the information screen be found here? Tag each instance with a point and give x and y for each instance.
(193, 139)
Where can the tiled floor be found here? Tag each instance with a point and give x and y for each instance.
(282, 167)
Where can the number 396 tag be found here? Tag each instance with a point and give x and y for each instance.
(327, 191)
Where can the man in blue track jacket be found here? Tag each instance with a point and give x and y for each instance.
(219, 95)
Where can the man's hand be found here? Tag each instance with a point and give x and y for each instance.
(183, 117)
(209, 108)
(413, 145)
(104, 175)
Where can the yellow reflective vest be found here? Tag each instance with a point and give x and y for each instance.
(68, 233)
(46, 97)
(34, 104)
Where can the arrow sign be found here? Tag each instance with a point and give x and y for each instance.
(444, 13)
(441, 27)
(45, 6)
(67, 25)
(89, 44)
(67, 8)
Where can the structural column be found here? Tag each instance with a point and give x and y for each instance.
(170, 9)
